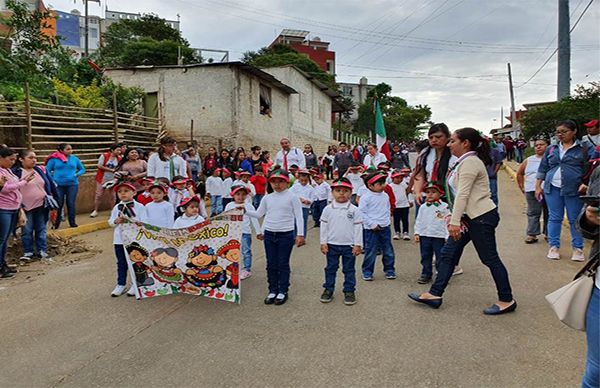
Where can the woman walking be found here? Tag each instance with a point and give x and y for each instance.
(310, 157)
(10, 202)
(107, 166)
(65, 168)
(474, 218)
(561, 173)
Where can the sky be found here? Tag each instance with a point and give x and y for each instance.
(451, 55)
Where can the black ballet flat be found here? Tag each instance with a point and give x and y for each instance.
(495, 309)
(433, 303)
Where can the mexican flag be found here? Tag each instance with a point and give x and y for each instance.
(380, 135)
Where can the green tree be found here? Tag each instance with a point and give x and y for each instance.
(281, 55)
(148, 40)
(582, 106)
(401, 120)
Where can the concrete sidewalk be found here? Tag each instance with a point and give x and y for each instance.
(85, 224)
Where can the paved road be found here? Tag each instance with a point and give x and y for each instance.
(62, 329)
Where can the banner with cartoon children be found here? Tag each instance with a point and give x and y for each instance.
(200, 260)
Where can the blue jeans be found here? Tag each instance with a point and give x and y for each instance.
(591, 376)
(69, 194)
(374, 241)
(519, 152)
(494, 189)
(401, 216)
(429, 246)
(216, 205)
(482, 231)
(278, 249)
(318, 207)
(305, 212)
(247, 250)
(257, 200)
(37, 220)
(348, 267)
(8, 219)
(556, 209)
(121, 265)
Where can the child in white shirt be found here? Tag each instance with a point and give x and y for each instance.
(227, 184)
(354, 175)
(431, 229)
(159, 212)
(126, 208)
(305, 193)
(214, 192)
(190, 207)
(402, 207)
(341, 235)
(178, 191)
(322, 195)
(244, 180)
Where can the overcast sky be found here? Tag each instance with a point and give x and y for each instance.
(448, 54)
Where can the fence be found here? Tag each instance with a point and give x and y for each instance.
(41, 126)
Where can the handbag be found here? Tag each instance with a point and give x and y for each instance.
(571, 301)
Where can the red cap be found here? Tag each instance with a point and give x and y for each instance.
(320, 176)
(160, 185)
(279, 174)
(235, 189)
(434, 186)
(397, 174)
(303, 171)
(185, 201)
(147, 179)
(341, 183)
(126, 184)
(376, 178)
(179, 182)
(243, 172)
(591, 124)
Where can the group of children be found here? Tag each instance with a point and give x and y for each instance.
(353, 214)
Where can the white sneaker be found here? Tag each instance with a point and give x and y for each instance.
(131, 291)
(405, 237)
(118, 291)
(578, 255)
(45, 257)
(27, 257)
(245, 274)
(396, 236)
(553, 253)
(94, 214)
(457, 271)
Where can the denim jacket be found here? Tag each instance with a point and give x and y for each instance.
(572, 168)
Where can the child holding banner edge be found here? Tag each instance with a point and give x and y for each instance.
(283, 212)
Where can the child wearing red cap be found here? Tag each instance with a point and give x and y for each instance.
(341, 236)
(402, 205)
(178, 191)
(226, 188)
(259, 180)
(190, 209)
(431, 229)
(305, 193)
(126, 208)
(354, 175)
(214, 192)
(244, 180)
(322, 195)
(144, 197)
(159, 212)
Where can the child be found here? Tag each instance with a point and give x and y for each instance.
(341, 236)
(244, 180)
(144, 197)
(178, 191)
(239, 194)
(159, 212)
(305, 193)
(283, 213)
(354, 176)
(227, 183)
(260, 184)
(402, 205)
(322, 193)
(190, 209)
(375, 211)
(431, 230)
(126, 207)
(214, 191)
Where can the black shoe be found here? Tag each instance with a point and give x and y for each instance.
(73, 226)
(495, 309)
(424, 280)
(269, 300)
(5, 272)
(326, 296)
(349, 298)
(279, 302)
(9, 269)
(433, 303)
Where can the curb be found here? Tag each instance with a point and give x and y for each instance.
(82, 229)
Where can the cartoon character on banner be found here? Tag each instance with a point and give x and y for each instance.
(231, 252)
(164, 269)
(203, 268)
(138, 255)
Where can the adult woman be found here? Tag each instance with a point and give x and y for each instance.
(373, 158)
(165, 163)
(328, 162)
(474, 218)
(561, 172)
(310, 157)
(134, 167)
(65, 169)
(34, 203)
(225, 160)
(241, 163)
(255, 157)
(107, 165)
(268, 162)
(210, 161)
(193, 161)
(526, 177)
(10, 202)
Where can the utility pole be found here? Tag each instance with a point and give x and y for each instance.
(564, 51)
(501, 117)
(86, 31)
(513, 113)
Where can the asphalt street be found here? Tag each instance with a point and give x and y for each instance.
(62, 329)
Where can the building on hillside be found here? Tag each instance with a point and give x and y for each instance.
(357, 92)
(314, 48)
(50, 23)
(111, 17)
(70, 27)
(233, 104)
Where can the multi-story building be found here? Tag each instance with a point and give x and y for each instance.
(314, 48)
(111, 17)
(357, 92)
(50, 23)
(70, 27)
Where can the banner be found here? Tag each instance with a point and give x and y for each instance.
(199, 260)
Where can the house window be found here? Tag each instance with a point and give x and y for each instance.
(302, 102)
(347, 90)
(265, 100)
(330, 68)
(321, 111)
(93, 33)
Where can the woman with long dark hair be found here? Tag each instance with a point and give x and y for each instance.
(310, 157)
(134, 167)
(474, 218)
(107, 166)
(65, 168)
(165, 163)
(256, 158)
(210, 161)
(225, 160)
(242, 163)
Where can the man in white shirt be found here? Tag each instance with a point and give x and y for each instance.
(166, 163)
(289, 155)
(373, 156)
